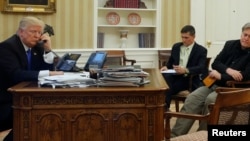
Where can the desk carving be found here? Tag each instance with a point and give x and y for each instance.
(67, 100)
(96, 114)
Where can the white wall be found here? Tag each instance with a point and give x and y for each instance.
(198, 20)
(149, 58)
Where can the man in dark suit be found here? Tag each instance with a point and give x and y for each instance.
(15, 67)
(232, 63)
(187, 58)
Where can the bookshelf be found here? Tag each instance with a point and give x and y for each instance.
(142, 24)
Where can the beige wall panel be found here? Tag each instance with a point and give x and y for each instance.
(72, 24)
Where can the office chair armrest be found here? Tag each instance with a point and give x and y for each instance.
(130, 60)
(234, 84)
(169, 115)
(185, 115)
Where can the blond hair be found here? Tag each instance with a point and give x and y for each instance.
(30, 21)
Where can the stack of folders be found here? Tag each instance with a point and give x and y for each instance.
(123, 76)
(67, 80)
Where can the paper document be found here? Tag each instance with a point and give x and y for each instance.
(67, 80)
(169, 71)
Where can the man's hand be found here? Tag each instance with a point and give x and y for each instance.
(164, 68)
(179, 69)
(51, 73)
(237, 76)
(215, 74)
(47, 42)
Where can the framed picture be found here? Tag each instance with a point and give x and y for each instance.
(33, 6)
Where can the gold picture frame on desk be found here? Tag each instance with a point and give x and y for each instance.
(28, 6)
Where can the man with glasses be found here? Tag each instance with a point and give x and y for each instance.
(22, 58)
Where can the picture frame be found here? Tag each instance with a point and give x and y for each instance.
(29, 6)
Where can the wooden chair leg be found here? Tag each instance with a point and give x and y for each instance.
(176, 105)
(167, 127)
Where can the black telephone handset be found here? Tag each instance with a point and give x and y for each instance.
(67, 62)
(47, 29)
(41, 43)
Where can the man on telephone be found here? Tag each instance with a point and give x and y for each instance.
(23, 58)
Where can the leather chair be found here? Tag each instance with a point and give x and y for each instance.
(231, 107)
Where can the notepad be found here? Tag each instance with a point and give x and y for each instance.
(169, 71)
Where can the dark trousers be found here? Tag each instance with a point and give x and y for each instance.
(6, 120)
(6, 116)
(176, 84)
(9, 137)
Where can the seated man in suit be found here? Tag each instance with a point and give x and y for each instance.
(232, 63)
(187, 58)
(17, 65)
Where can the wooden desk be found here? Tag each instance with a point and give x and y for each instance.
(90, 114)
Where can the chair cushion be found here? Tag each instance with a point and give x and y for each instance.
(195, 136)
(183, 93)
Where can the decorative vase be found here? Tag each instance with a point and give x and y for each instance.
(123, 37)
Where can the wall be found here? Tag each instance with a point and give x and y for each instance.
(72, 24)
(73, 27)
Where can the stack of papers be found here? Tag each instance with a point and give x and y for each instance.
(123, 76)
(122, 69)
(126, 74)
(67, 80)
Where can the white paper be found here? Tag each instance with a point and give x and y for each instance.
(169, 71)
(68, 79)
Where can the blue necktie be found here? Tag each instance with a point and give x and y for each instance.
(29, 58)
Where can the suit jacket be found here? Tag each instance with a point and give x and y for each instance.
(234, 57)
(13, 62)
(196, 62)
